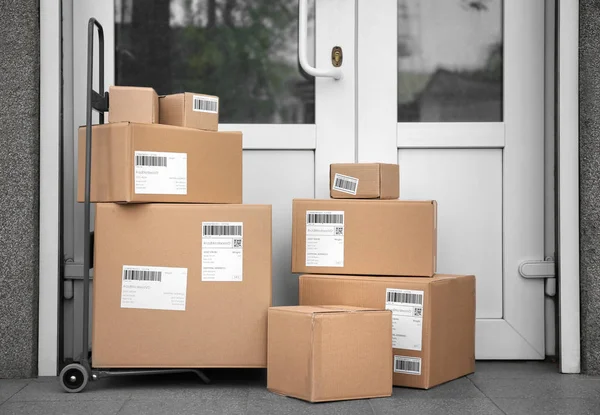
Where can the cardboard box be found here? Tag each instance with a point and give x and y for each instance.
(329, 353)
(364, 237)
(433, 320)
(364, 181)
(132, 104)
(181, 285)
(190, 110)
(160, 163)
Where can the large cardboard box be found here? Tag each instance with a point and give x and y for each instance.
(181, 285)
(433, 320)
(190, 110)
(364, 181)
(329, 353)
(161, 163)
(364, 237)
(132, 104)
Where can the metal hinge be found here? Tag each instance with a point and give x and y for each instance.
(541, 269)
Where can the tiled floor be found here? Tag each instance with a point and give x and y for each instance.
(496, 388)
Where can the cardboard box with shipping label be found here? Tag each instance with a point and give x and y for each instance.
(433, 320)
(364, 237)
(178, 285)
(364, 181)
(329, 353)
(132, 104)
(190, 110)
(161, 163)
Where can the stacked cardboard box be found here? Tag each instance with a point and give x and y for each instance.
(381, 254)
(182, 273)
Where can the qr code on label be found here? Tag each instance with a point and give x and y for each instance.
(339, 231)
(418, 312)
(237, 243)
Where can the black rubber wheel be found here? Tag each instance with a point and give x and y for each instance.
(74, 378)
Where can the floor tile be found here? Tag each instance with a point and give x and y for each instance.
(46, 390)
(459, 388)
(549, 406)
(563, 386)
(514, 370)
(263, 402)
(62, 408)
(476, 406)
(178, 387)
(232, 405)
(8, 387)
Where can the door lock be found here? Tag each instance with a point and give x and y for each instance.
(337, 56)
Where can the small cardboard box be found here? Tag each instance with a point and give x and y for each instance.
(178, 285)
(190, 110)
(161, 163)
(329, 353)
(364, 237)
(433, 320)
(132, 104)
(364, 181)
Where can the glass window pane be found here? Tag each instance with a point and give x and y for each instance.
(450, 60)
(244, 51)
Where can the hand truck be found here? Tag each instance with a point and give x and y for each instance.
(74, 377)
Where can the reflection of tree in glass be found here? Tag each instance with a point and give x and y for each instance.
(244, 51)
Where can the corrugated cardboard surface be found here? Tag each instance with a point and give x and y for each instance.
(381, 237)
(178, 109)
(224, 323)
(133, 104)
(375, 180)
(329, 353)
(214, 162)
(448, 325)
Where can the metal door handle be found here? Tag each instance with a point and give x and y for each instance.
(335, 73)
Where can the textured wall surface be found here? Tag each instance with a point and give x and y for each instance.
(589, 164)
(19, 186)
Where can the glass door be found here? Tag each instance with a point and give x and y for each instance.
(246, 52)
(453, 90)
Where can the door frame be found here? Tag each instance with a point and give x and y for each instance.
(568, 186)
(568, 203)
(49, 210)
(521, 336)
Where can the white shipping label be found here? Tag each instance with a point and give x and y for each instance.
(324, 238)
(222, 251)
(346, 184)
(158, 173)
(206, 104)
(407, 318)
(408, 365)
(154, 288)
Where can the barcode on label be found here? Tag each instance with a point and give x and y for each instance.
(325, 218)
(205, 104)
(153, 161)
(403, 297)
(222, 230)
(141, 275)
(410, 365)
(345, 184)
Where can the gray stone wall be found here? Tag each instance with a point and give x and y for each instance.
(589, 175)
(19, 186)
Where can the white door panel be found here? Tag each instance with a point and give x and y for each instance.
(467, 185)
(276, 177)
